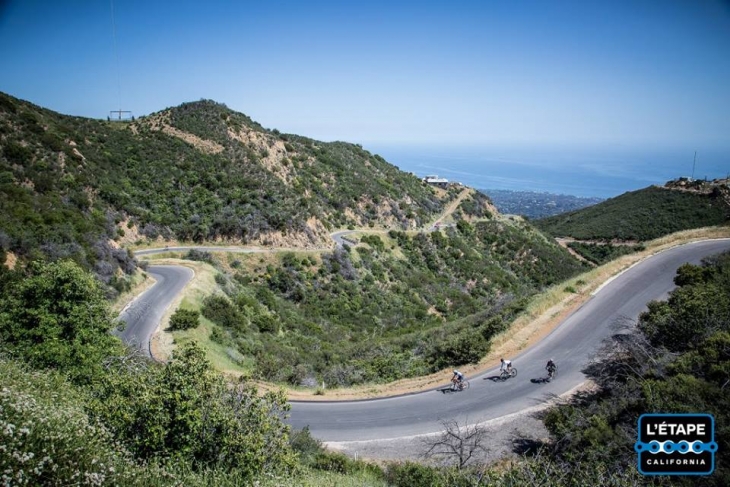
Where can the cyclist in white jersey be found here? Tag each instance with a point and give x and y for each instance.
(506, 365)
(457, 378)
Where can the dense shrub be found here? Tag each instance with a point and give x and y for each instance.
(602, 253)
(48, 439)
(184, 319)
(409, 474)
(433, 301)
(188, 412)
(305, 445)
(677, 360)
(461, 349)
(220, 310)
(57, 317)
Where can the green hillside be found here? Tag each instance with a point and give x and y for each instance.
(393, 306)
(69, 186)
(642, 215)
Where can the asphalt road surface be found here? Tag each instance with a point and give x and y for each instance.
(571, 345)
(142, 316)
(237, 250)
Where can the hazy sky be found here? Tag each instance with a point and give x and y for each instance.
(636, 73)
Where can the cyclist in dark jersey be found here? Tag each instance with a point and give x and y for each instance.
(551, 368)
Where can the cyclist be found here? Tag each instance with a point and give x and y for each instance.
(506, 365)
(551, 368)
(457, 379)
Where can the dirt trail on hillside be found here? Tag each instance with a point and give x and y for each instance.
(451, 208)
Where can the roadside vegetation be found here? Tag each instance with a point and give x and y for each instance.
(116, 419)
(676, 360)
(77, 407)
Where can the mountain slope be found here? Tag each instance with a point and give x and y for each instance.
(644, 214)
(70, 186)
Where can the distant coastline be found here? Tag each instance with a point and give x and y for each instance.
(534, 205)
(588, 173)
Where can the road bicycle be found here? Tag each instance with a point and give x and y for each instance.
(507, 374)
(461, 385)
(552, 373)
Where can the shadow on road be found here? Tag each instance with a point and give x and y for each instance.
(448, 390)
(541, 380)
(495, 378)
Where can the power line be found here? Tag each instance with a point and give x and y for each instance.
(119, 111)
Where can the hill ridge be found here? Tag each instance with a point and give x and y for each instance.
(197, 172)
(646, 214)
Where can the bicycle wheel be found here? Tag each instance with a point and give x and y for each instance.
(513, 373)
(464, 385)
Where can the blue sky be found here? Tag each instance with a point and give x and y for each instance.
(560, 73)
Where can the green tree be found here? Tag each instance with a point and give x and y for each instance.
(57, 317)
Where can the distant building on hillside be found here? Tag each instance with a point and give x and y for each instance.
(436, 181)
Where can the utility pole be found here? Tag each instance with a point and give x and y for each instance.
(120, 115)
(693, 166)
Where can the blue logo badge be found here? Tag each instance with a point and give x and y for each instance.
(676, 444)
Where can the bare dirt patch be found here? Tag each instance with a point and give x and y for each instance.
(275, 156)
(203, 145)
(130, 233)
(10, 260)
(451, 207)
(160, 121)
(316, 237)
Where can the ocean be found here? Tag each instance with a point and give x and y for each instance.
(586, 172)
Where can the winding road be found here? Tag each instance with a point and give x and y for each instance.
(142, 315)
(572, 345)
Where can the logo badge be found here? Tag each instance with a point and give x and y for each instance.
(676, 444)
